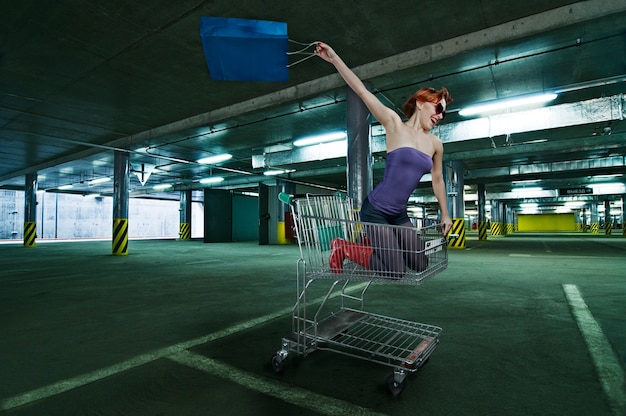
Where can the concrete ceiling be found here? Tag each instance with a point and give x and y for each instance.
(80, 79)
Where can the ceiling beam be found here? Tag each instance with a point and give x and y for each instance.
(581, 144)
(563, 115)
(596, 110)
(573, 169)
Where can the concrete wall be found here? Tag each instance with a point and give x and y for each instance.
(68, 216)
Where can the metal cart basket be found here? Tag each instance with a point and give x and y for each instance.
(348, 329)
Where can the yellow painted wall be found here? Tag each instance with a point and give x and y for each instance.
(546, 222)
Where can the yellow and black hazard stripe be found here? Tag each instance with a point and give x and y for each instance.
(496, 228)
(595, 228)
(457, 234)
(607, 228)
(482, 230)
(120, 236)
(30, 234)
(185, 231)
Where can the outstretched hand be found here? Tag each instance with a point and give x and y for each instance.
(325, 52)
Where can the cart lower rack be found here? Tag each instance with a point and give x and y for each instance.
(323, 223)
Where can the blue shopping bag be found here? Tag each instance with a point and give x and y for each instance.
(245, 49)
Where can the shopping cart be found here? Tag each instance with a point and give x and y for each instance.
(348, 329)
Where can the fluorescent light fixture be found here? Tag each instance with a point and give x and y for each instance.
(601, 177)
(162, 186)
(575, 204)
(99, 180)
(64, 187)
(507, 103)
(608, 188)
(93, 195)
(212, 160)
(321, 138)
(529, 205)
(277, 172)
(212, 179)
(529, 189)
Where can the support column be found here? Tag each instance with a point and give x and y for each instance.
(624, 215)
(185, 215)
(359, 159)
(284, 226)
(505, 218)
(595, 221)
(510, 220)
(453, 175)
(496, 218)
(121, 186)
(579, 220)
(482, 212)
(30, 210)
(608, 225)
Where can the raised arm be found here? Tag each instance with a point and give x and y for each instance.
(386, 116)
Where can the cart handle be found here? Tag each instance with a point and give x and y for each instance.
(285, 197)
(288, 198)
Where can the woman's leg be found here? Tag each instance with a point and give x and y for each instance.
(387, 259)
(412, 248)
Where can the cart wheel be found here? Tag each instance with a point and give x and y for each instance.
(394, 387)
(279, 365)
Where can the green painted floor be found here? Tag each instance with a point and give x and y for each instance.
(187, 328)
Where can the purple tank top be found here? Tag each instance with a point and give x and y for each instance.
(404, 169)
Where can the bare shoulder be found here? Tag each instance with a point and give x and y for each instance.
(436, 141)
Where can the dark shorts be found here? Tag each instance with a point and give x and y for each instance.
(371, 214)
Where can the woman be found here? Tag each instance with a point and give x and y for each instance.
(412, 151)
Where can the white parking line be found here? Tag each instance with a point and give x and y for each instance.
(93, 376)
(288, 393)
(607, 363)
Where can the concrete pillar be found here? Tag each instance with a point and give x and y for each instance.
(496, 218)
(510, 220)
(482, 212)
(284, 226)
(608, 225)
(30, 210)
(453, 176)
(503, 218)
(595, 221)
(121, 187)
(359, 159)
(185, 215)
(624, 215)
(579, 219)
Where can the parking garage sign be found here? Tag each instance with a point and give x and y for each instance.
(575, 191)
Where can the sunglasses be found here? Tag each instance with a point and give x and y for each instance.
(440, 110)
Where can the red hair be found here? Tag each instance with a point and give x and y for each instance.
(425, 95)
